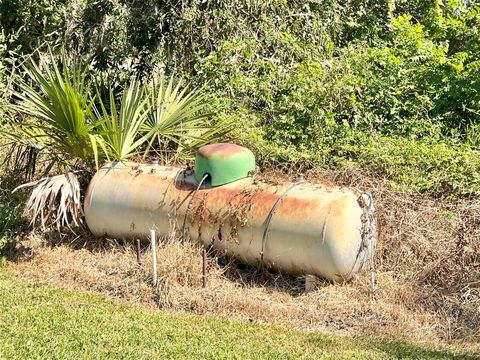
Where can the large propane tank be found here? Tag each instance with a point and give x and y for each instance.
(295, 228)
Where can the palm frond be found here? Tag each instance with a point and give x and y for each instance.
(121, 130)
(54, 201)
(176, 115)
(58, 97)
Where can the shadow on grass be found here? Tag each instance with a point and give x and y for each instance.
(260, 276)
(402, 350)
(393, 349)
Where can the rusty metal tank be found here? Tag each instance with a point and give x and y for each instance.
(297, 228)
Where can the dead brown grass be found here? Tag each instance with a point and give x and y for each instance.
(428, 264)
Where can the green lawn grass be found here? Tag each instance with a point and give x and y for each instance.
(38, 322)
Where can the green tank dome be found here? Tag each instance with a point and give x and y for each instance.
(224, 163)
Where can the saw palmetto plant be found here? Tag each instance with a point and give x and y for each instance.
(72, 127)
(121, 130)
(57, 103)
(176, 117)
(54, 107)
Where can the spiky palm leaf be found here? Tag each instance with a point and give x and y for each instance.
(121, 131)
(176, 115)
(60, 105)
(54, 201)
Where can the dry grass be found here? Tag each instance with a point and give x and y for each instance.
(428, 264)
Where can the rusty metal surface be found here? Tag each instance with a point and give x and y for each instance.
(223, 163)
(221, 149)
(316, 230)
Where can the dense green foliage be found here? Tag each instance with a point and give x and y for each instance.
(391, 86)
(9, 221)
(38, 322)
(10, 213)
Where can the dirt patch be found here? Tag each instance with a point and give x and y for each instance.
(427, 260)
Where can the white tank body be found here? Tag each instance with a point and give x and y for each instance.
(317, 230)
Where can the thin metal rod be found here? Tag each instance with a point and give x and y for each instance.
(139, 261)
(204, 267)
(153, 243)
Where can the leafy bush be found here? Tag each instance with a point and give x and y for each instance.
(418, 165)
(387, 100)
(320, 80)
(9, 217)
(10, 214)
(30, 22)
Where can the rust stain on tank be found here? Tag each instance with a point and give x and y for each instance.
(310, 218)
(239, 197)
(338, 206)
(220, 149)
(254, 200)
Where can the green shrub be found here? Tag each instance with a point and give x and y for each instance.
(419, 166)
(331, 82)
(9, 217)
(411, 165)
(10, 220)
(382, 108)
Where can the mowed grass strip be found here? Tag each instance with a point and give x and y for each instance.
(38, 322)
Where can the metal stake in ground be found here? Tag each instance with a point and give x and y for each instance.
(204, 267)
(153, 243)
(139, 261)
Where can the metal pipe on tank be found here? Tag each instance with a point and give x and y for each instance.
(317, 230)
